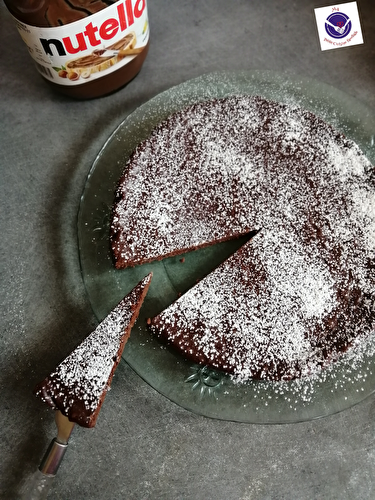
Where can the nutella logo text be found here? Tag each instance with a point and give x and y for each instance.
(93, 35)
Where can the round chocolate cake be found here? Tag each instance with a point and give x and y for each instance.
(300, 292)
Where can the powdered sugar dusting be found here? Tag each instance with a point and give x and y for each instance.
(296, 296)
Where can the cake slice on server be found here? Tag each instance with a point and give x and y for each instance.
(76, 388)
(78, 385)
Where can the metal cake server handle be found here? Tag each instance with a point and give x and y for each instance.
(40, 483)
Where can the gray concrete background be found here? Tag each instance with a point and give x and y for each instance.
(144, 446)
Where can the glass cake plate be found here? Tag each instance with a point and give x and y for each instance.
(198, 388)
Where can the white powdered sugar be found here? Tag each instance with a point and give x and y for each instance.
(294, 274)
(295, 296)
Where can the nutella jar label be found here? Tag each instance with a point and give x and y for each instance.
(89, 48)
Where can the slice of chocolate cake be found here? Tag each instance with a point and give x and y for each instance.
(78, 385)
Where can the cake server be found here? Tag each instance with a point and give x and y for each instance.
(41, 481)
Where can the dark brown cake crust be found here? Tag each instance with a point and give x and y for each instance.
(298, 294)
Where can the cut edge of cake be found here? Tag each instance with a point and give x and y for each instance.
(119, 263)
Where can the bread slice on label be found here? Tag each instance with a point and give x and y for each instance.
(85, 66)
(78, 385)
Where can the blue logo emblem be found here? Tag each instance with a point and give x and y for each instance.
(338, 25)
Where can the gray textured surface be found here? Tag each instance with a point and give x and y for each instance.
(144, 446)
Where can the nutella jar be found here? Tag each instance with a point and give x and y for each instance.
(84, 48)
